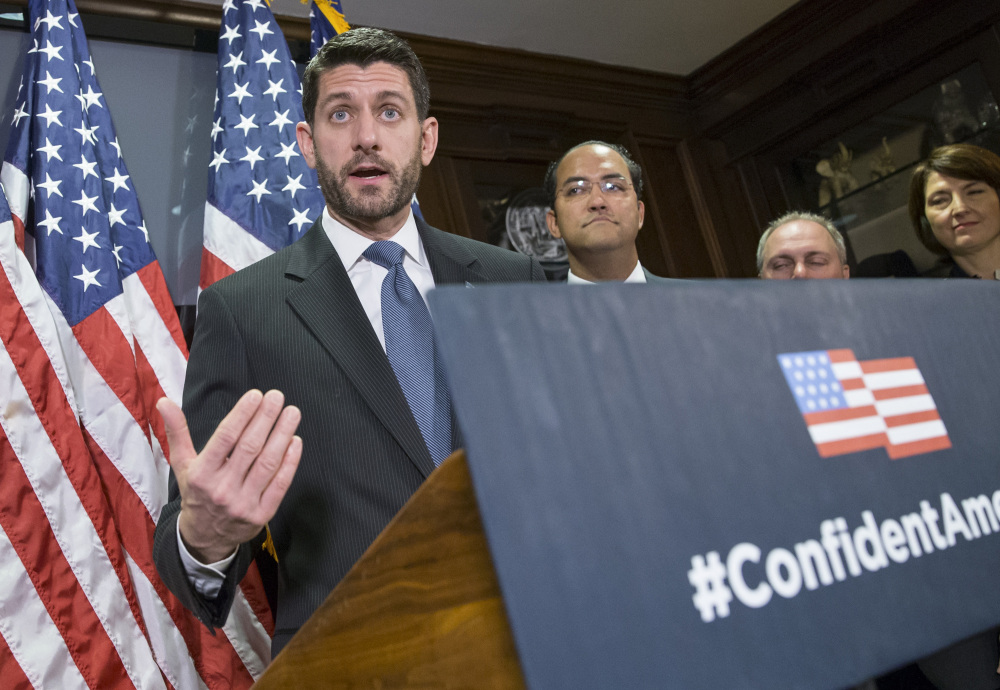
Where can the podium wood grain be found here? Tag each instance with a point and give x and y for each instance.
(420, 609)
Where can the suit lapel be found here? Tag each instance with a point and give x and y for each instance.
(450, 261)
(329, 307)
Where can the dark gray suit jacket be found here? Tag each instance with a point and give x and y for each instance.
(293, 322)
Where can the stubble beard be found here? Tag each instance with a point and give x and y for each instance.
(371, 203)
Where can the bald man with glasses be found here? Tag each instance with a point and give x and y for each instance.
(594, 195)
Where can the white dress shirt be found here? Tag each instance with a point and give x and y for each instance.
(366, 277)
(637, 276)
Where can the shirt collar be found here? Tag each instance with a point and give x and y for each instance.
(637, 276)
(351, 245)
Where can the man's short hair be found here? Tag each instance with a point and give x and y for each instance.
(634, 171)
(793, 216)
(364, 47)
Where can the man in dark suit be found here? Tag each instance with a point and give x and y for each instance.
(595, 207)
(309, 322)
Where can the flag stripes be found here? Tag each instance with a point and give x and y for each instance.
(850, 406)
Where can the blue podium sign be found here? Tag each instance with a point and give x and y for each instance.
(732, 484)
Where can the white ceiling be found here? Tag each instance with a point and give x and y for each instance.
(671, 36)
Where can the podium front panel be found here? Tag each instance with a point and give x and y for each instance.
(732, 484)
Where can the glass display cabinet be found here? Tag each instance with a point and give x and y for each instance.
(861, 178)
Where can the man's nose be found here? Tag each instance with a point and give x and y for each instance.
(800, 272)
(596, 198)
(366, 132)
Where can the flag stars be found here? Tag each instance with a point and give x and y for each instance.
(191, 123)
(71, 17)
(118, 180)
(280, 120)
(51, 83)
(51, 51)
(261, 29)
(217, 128)
(20, 113)
(293, 185)
(89, 98)
(299, 218)
(241, 92)
(87, 167)
(51, 150)
(287, 152)
(231, 34)
(86, 203)
(87, 239)
(50, 186)
(268, 59)
(50, 20)
(117, 147)
(255, 4)
(117, 255)
(246, 124)
(88, 278)
(235, 60)
(50, 116)
(51, 224)
(259, 190)
(89, 63)
(219, 160)
(116, 217)
(253, 157)
(87, 133)
(274, 90)
(145, 232)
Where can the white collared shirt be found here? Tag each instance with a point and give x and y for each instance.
(637, 276)
(367, 276)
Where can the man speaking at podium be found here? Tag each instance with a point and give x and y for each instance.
(337, 323)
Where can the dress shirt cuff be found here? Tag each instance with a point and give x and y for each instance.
(206, 579)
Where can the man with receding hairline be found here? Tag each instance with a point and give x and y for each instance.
(801, 245)
(595, 207)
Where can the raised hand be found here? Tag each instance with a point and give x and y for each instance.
(234, 486)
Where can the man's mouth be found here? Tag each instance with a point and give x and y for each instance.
(596, 219)
(368, 173)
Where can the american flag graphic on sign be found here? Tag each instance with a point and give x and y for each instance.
(851, 406)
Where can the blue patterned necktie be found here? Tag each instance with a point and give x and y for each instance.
(409, 344)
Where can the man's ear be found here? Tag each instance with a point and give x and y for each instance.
(428, 139)
(550, 222)
(847, 271)
(642, 213)
(303, 134)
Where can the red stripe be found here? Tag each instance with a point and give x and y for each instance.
(904, 450)
(875, 366)
(212, 269)
(27, 526)
(253, 589)
(913, 418)
(18, 232)
(844, 413)
(214, 657)
(156, 287)
(105, 345)
(852, 384)
(852, 445)
(11, 671)
(900, 392)
(837, 356)
(150, 391)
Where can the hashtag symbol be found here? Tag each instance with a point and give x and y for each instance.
(711, 595)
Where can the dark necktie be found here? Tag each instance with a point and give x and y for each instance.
(409, 344)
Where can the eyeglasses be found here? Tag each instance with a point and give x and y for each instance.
(580, 189)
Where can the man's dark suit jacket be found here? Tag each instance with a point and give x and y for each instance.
(293, 322)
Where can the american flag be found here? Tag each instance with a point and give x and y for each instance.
(851, 406)
(261, 194)
(91, 341)
(326, 20)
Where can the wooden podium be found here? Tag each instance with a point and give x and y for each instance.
(421, 608)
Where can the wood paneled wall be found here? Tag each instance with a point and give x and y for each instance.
(708, 142)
